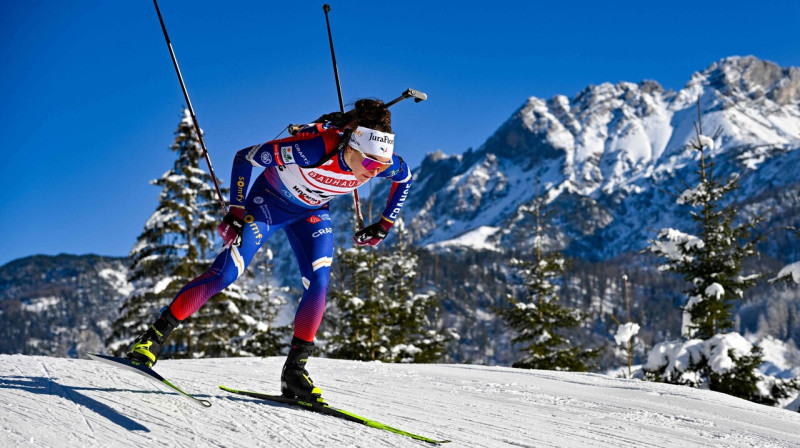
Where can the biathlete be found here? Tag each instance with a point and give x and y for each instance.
(302, 173)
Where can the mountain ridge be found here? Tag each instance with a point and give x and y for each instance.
(59, 305)
(601, 156)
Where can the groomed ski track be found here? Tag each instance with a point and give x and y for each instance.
(55, 402)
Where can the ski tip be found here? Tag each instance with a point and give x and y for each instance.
(100, 356)
(230, 389)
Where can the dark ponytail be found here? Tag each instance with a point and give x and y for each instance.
(369, 113)
(372, 114)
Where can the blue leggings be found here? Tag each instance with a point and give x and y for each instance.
(311, 236)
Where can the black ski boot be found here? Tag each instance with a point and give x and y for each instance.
(146, 347)
(295, 382)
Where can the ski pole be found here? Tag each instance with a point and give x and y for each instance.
(191, 110)
(326, 8)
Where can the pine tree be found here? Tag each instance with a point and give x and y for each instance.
(175, 243)
(539, 320)
(711, 264)
(353, 329)
(374, 314)
(414, 331)
(175, 246)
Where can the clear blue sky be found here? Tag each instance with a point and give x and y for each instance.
(89, 98)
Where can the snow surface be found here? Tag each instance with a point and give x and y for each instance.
(792, 270)
(50, 402)
(475, 239)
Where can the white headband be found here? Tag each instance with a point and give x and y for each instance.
(372, 142)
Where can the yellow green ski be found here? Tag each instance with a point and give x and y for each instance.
(323, 408)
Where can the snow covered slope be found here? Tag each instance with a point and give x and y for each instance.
(51, 402)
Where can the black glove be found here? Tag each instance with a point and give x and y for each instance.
(232, 227)
(374, 234)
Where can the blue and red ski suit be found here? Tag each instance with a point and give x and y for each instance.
(292, 194)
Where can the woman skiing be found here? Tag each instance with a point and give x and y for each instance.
(327, 158)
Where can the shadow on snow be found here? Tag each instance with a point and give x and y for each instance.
(46, 386)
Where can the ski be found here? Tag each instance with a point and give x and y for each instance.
(147, 372)
(326, 409)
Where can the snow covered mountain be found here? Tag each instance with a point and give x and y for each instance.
(85, 403)
(604, 157)
(59, 305)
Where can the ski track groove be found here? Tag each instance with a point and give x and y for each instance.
(189, 424)
(83, 415)
(15, 410)
(258, 418)
(116, 395)
(51, 385)
(82, 409)
(27, 415)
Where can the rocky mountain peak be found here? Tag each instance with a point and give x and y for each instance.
(602, 156)
(750, 78)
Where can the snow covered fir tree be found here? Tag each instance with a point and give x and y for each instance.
(540, 323)
(711, 263)
(176, 245)
(374, 312)
(416, 329)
